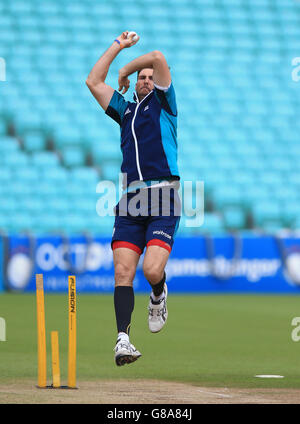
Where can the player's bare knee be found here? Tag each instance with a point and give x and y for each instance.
(153, 272)
(124, 274)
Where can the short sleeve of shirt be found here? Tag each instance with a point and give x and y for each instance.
(116, 107)
(167, 99)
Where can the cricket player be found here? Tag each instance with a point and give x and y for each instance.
(148, 213)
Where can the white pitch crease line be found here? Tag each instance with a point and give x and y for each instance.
(213, 393)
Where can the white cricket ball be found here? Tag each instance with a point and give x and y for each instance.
(135, 37)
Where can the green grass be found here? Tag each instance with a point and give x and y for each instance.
(208, 340)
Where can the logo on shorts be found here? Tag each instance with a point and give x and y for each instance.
(162, 233)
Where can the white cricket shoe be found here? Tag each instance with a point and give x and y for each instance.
(158, 312)
(125, 352)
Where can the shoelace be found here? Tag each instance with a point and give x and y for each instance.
(128, 346)
(159, 312)
(120, 345)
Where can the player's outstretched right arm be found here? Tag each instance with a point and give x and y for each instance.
(96, 79)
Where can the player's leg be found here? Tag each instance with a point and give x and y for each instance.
(160, 235)
(155, 260)
(125, 263)
(127, 243)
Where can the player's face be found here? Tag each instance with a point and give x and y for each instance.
(144, 83)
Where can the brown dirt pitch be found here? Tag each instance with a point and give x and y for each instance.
(142, 392)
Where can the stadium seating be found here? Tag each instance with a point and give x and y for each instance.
(238, 105)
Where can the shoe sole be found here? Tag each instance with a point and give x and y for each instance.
(125, 359)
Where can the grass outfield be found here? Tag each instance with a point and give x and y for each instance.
(208, 340)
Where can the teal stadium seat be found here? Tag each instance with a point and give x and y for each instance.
(73, 189)
(22, 222)
(9, 205)
(15, 159)
(48, 223)
(213, 224)
(5, 177)
(84, 174)
(73, 156)
(106, 151)
(33, 205)
(8, 144)
(45, 159)
(110, 171)
(85, 206)
(234, 218)
(46, 190)
(57, 176)
(73, 224)
(296, 224)
(26, 174)
(225, 195)
(26, 121)
(290, 212)
(3, 128)
(265, 213)
(5, 221)
(294, 179)
(19, 188)
(34, 142)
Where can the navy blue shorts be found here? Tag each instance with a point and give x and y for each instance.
(147, 217)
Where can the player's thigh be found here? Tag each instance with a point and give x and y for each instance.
(125, 263)
(128, 242)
